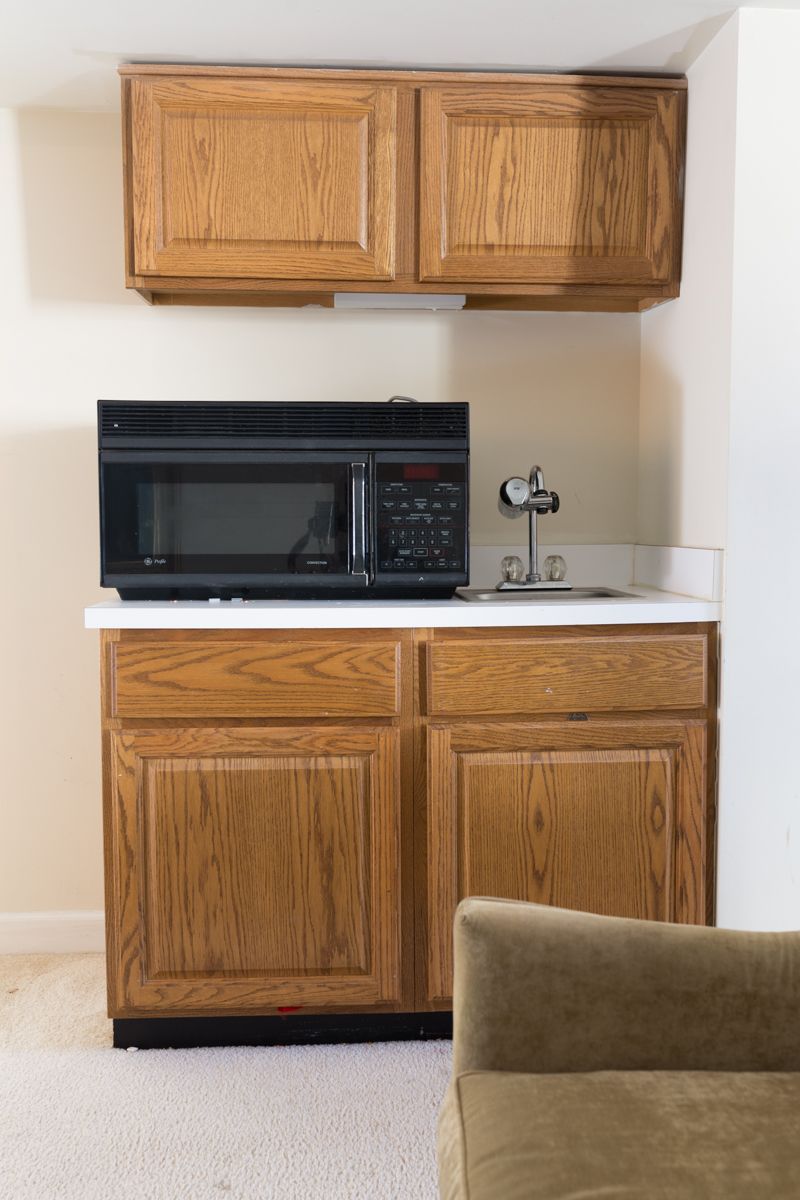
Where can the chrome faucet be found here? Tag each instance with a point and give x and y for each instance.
(518, 496)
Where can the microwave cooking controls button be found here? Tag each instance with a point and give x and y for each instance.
(429, 564)
(437, 505)
(445, 537)
(437, 551)
(413, 519)
(397, 520)
(445, 520)
(442, 562)
(437, 490)
(428, 519)
(386, 505)
(404, 504)
(404, 552)
(420, 552)
(386, 564)
(455, 564)
(453, 504)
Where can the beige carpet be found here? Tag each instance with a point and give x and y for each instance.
(80, 1121)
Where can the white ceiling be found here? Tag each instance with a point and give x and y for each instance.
(64, 54)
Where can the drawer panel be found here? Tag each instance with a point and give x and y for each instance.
(615, 674)
(255, 679)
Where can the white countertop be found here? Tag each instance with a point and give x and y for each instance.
(650, 607)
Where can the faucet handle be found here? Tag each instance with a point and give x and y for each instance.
(512, 569)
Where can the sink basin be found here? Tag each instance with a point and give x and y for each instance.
(559, 596)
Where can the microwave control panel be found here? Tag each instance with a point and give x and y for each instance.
(421, 518)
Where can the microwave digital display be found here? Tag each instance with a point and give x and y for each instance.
(421, 471)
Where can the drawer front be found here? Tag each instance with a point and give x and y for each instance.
(256, 679)
(615, 674)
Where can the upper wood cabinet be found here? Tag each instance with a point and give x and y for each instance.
(550, 183)
(262, 178)
(282, 186)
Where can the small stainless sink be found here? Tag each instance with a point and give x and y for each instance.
(536, 596)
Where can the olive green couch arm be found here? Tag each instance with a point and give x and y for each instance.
(541, 989)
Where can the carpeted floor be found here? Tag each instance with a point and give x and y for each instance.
(80, 1121)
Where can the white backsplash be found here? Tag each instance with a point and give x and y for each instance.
(685, 570)
(608, 565)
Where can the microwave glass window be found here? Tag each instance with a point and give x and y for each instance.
(203, 517)
(237, 518)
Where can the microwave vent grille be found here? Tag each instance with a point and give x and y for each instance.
(402, 422)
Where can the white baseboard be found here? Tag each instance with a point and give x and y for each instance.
(69, 932)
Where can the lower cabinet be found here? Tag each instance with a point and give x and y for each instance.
(254, 868)
(291, 817)
(607, 816)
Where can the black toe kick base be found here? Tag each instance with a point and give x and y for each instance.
(165, 1033)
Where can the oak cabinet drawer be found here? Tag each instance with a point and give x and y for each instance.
(598, 674)
(291, 678)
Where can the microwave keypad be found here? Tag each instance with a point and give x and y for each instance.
(421, 527)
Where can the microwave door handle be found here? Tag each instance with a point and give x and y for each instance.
(358, 518)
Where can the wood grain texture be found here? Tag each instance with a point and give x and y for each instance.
(618, 291)
(399, 75)
(544, 183)
(254, 868)
(266, 299)
(256, 865)
(602, 816)
(288, 678)
(587, 829)
(220, 179)
(557, 675)
(211, 790)
(281, 179)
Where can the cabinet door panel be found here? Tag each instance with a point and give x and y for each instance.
(607, 817)
(551, 184)
(263, 178)
(254, 868)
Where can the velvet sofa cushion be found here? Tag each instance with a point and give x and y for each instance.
(621, 1135)
(547, 989)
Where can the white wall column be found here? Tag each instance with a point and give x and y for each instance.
(759, 820)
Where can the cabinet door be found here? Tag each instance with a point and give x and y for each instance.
(603, 816)
(551, 183)
(276, 179)
(252, 868)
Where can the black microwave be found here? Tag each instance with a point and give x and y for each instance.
(255, 500)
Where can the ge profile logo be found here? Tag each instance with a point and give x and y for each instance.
(155, 562)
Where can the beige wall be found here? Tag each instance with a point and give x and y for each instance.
(562, 389)
(686, 347)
